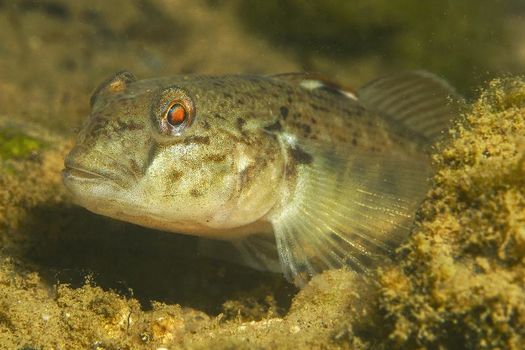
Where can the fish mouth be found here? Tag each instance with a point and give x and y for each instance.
(74, 173)
(85, 174)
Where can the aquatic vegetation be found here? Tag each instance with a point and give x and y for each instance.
(15, 144)
(460, 280)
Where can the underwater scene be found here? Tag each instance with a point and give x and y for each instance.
(228, 174)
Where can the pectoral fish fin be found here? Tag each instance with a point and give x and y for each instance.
(420, 101)
(347, 210)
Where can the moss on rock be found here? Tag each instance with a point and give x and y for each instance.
(460, 280)
(15, 144)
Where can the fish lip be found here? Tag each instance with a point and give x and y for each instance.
(81, 173)
(73, 172)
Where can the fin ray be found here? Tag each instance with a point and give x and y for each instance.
(347, 209)
(420, 101)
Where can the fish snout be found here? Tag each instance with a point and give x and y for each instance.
(94, 167)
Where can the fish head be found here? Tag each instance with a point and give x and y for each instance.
(172, 154)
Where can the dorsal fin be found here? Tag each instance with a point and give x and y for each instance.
(313, 81)
(419, 100)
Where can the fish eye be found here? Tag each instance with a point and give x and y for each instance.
(176, 115)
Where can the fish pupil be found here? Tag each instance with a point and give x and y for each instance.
(176, 114)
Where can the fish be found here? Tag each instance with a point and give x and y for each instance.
(296, 173)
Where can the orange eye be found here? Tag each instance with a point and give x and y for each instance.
(176, 114)
(174, 111)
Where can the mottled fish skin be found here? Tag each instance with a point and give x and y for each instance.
(234, 168)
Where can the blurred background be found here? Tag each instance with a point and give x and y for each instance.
(54, 52)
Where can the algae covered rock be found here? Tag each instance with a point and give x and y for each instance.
(461, 278)
(14, 144)
(30, 162)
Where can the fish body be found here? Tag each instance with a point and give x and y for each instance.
(299, 174)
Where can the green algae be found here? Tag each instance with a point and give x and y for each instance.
(14, 144)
